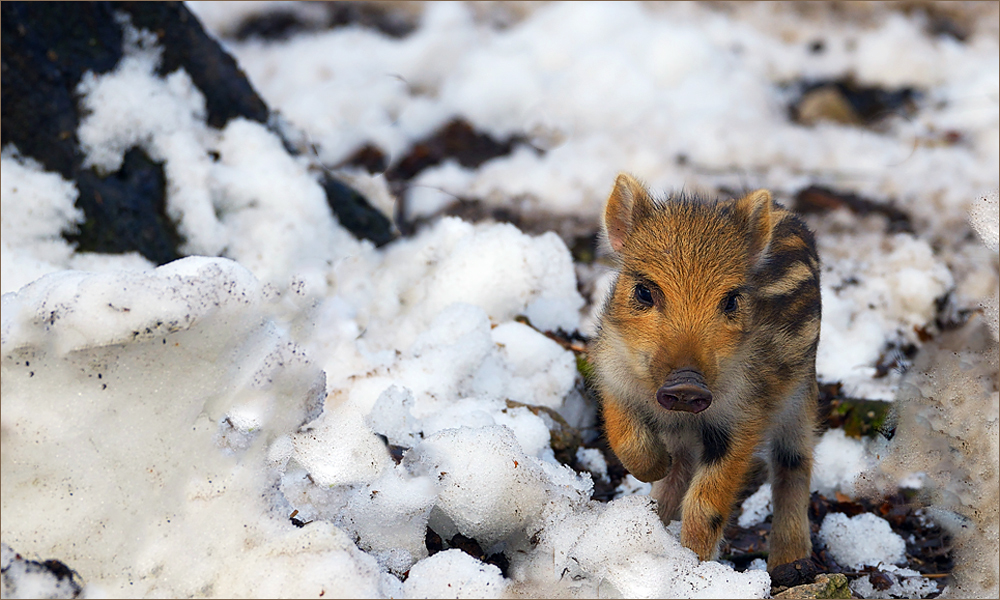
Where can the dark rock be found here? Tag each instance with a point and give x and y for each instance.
(500, 561)
(818, 199)
(880, 580)
(372, 15)
(458, 140)
(355, 213)
(275, 25)
(475, 550)
(281, 24)
(467, 545)
(126, 211)
(370, 158)
(46, 49)
(433, 542)
(846, 101)
(23, 578)
(396, 452)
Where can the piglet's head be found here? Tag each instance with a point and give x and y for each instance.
(682, 302)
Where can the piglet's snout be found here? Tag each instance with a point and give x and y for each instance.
(684, 390)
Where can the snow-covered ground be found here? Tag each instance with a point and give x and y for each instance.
(161, 426)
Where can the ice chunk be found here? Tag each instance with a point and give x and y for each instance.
(530, 430)
(315, 561)
(339, 449)
(453, 574)
(543, 372)
(489, 489)
(389, 516)
(492, 266)
(985, 218)
(392, 418)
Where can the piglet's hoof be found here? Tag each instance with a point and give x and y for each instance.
(797, 572)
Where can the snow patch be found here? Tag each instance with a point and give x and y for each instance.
(488, 488)
(454, 574)
(861, 540)
(838, 461)
(621, 549)
(757, 507)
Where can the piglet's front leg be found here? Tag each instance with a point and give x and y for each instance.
(634, 443)
(725, 460)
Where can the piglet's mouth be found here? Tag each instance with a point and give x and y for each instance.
(684, 390)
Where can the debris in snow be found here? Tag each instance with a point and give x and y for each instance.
(24, 578)
(894, 582)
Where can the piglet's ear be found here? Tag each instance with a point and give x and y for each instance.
(757, 209)
(627, 202)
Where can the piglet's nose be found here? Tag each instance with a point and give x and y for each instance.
(684, 390)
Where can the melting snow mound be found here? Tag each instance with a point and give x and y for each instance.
(861, 540)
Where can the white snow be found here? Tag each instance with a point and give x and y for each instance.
(160, 427)
(255, 204)
(488, 489)
(37, 209)
(631, 486)
(757, 507)
(454, 574)
(593, 460)
(838, 460)
(861, 540)
(620, 549)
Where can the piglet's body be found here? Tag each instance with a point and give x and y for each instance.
(706, 353)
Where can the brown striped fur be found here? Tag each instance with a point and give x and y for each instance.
(720, 300)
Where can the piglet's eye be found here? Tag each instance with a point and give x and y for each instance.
(643, 295)
(731, 302)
